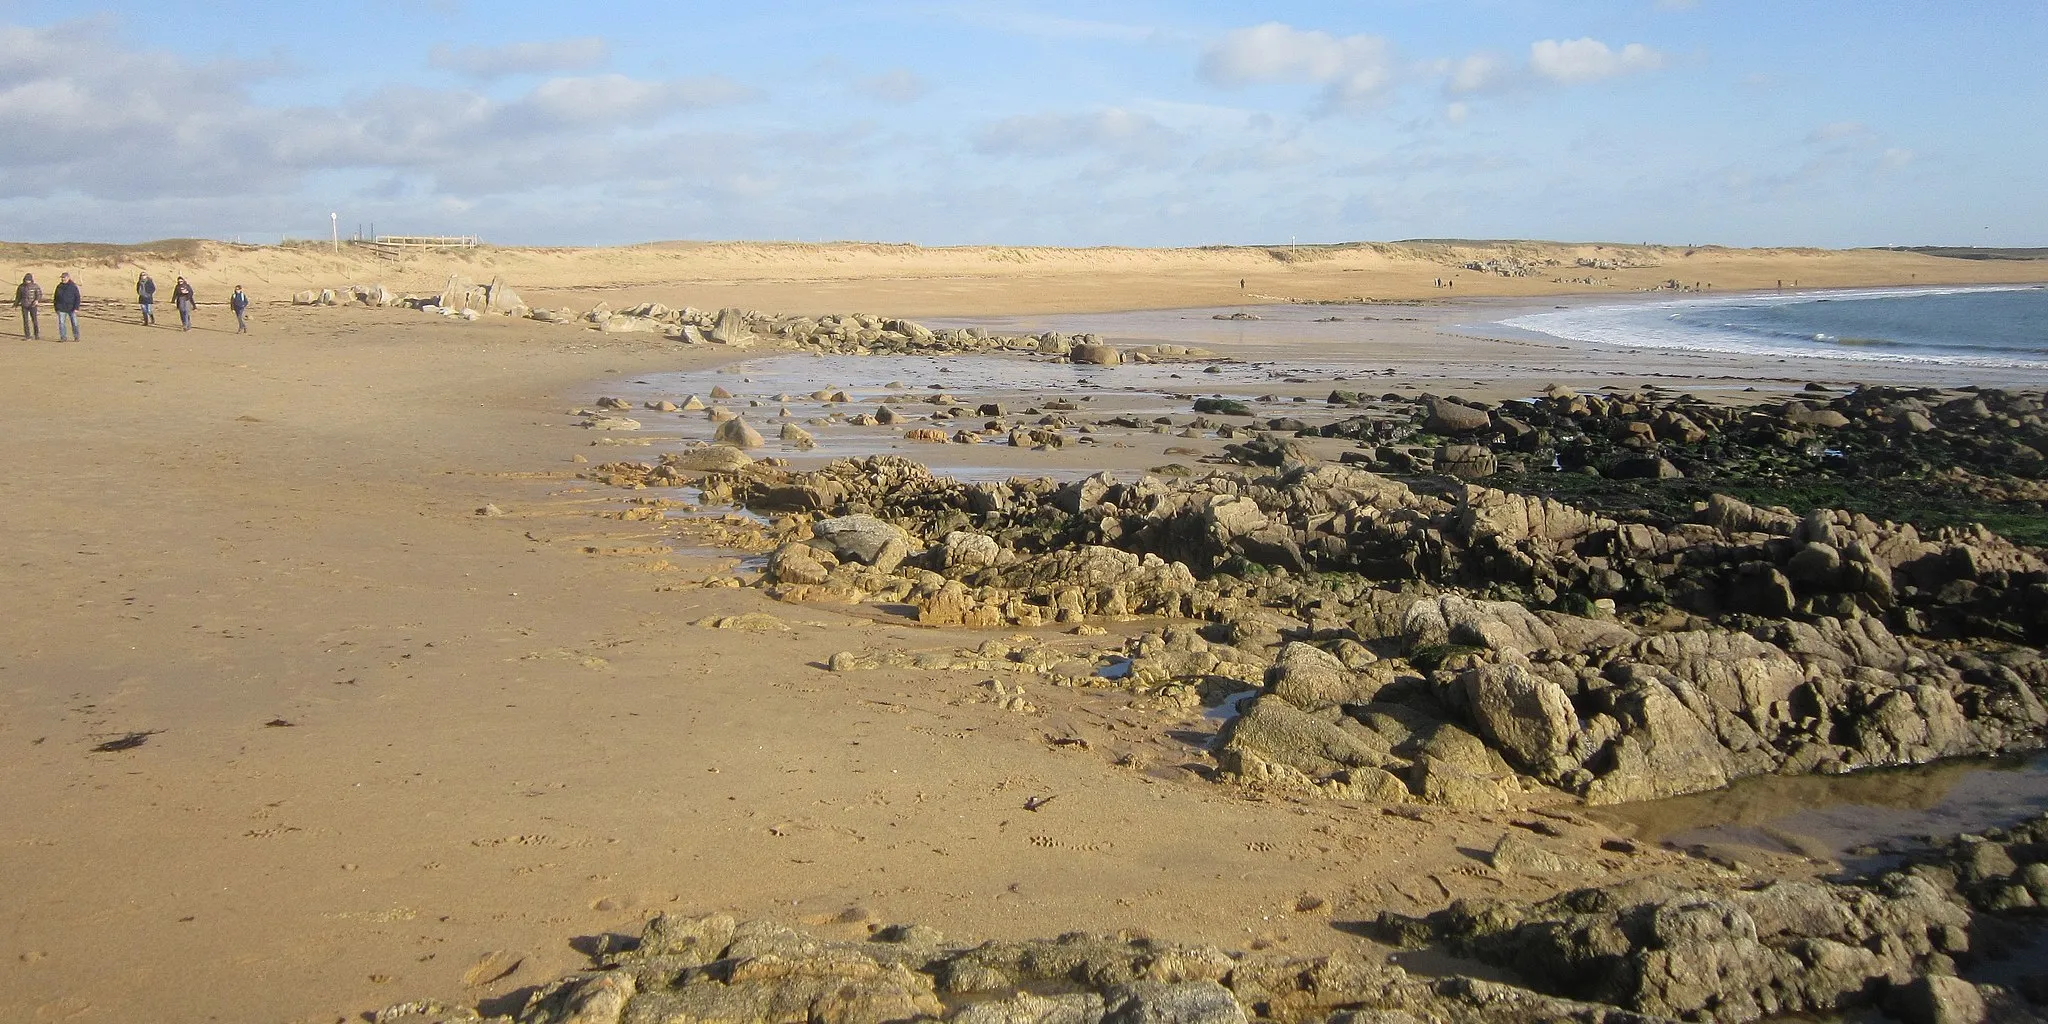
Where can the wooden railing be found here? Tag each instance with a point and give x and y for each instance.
(428, 241)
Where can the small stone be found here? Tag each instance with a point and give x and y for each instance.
(757, 622)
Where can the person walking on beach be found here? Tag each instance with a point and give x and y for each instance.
(239, 302)
(145, 294)
(29, 296)
(66, 301)
(182, 297)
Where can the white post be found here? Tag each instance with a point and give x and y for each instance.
(334, 224)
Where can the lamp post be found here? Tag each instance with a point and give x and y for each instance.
(334, 226)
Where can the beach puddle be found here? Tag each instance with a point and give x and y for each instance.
(1266, 331)
(1231, 707)
(1026, 388)
(1864, 821)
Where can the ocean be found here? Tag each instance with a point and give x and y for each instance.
(1995, 327)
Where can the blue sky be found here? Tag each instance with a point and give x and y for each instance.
(1791, 122)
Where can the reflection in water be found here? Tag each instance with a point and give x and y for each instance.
(1835, 814)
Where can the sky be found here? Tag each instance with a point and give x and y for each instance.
(1734, 122)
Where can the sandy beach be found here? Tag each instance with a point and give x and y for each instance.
(387, 737)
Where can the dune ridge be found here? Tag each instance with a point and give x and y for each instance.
(994, 279)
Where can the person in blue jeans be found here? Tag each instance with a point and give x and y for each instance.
(239, 302)
(29, 296)
(67, 300)
(182, 296)
(145, 294)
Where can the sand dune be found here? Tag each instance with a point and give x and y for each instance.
(921, 281)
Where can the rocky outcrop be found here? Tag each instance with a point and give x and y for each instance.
(1612, 659)
(1735, 954)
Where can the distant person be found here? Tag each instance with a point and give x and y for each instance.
(29, 296)
(145, 295)
(182, 297)
(239, 302)
(66, 301)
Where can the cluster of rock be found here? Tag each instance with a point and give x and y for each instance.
(1741, 954)
(1509, 266)
(1641, 952)
(1869, 432)
(760, 972)
(834, 334)
(1463, 645)
(461, 298)
(857, 334)
(362, 295)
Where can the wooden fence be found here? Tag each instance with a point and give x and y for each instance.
(396, 246)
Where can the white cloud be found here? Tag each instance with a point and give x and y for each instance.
(582, 53)
(1588, 60)
(1480, 72)
(614, 97)
(86, 117)
(897, 85)
(1356, 70)
(1115, 131)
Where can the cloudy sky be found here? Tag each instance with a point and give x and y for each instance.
(1745, 122)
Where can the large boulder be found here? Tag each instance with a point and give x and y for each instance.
(461, 293)
(1271, 729)
(1495, 625)
(731, 329)
(500, 298)
(1312, 679)
(737, 433)
(1095, 355)
(1805, 414)
(1228, 517)
(1664, 750)
(863, 538)
(1442, 416)
(1466, 461)
(1157, 1002)
(961, 551)
(798, 438)
(1514, 518)
(1529, 719)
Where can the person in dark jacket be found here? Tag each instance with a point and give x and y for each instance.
(145, 294)
(239, 302)
(182, 297)
(29, 296)
(66, 301)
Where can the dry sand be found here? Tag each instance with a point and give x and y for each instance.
(504, 732)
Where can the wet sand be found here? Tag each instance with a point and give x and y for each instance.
(384, 736)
